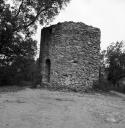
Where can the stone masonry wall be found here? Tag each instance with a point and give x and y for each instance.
(69, 55)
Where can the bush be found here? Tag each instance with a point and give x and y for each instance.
(21, 70)
(103, 85)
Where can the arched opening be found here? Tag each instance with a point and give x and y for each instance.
(47, 68)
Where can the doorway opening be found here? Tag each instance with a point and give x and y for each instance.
(47, 68)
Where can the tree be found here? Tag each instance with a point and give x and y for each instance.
(102, 64)
(115, 61)
(18, 48)
(18, 22)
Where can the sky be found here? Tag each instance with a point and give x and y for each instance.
(108, 15)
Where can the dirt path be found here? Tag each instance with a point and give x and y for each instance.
(46, 109)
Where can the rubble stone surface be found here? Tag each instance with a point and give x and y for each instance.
(69, 55)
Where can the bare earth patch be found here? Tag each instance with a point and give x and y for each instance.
(35, 108)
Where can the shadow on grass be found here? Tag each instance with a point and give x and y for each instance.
(15, 88)
(104, 92)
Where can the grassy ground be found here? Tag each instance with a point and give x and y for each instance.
(39, 108)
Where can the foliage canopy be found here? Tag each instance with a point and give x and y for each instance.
(18, 22)
(115, 61)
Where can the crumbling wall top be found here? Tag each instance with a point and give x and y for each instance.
(70, 25)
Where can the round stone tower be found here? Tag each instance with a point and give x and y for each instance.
(69, 55)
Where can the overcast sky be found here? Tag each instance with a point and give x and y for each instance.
(108, 15)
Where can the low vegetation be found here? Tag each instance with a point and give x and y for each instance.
(112, 69)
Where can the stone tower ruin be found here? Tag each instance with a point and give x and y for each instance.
(69, 55)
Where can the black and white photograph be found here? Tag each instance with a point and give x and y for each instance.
(62, 63)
